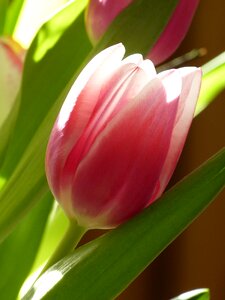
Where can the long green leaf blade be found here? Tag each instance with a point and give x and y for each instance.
(18, 251)
(199, 294)
(114, 260)
(51, 62)
(13, 13)
(213, 82)
(3, 13)
(55, 229)
(32, 15)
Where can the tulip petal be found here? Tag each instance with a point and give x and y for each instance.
(11, 65)
(174, 32)
(123, 86)
(77, 110)
(191, 82)
(116, 171)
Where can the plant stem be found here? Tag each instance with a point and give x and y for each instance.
(70, 240)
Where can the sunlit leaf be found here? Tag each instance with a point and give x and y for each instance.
(18, 251)
(103, 268)
(198, 294)
(213, 82)
(13, 11)
(33, 14)
(54, 231)
(50, 63)
(6, 131)
(3, 13)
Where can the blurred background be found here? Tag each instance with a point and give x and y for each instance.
(197, 258)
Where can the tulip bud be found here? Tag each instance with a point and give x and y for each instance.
(118, 136)
(11, 61)
(100, 14)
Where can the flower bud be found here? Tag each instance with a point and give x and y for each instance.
(118, 136)
(11, 61)
(100, 14)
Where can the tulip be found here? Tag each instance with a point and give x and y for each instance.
(11, 61)
(118, 137)
(100, 14)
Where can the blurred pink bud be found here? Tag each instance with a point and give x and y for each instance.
(11, 61)
(101, 13)
(118, 137)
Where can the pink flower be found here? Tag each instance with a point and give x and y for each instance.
(118, 137)
(11, 61)
(101, 13)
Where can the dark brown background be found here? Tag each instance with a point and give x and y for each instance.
(197, 258)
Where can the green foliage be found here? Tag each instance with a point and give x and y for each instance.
(103, 268)
(199, 294)
(3, 12)
(213, 82)
(13, 11)
(50, 64)
(55, 229)
(18, 251)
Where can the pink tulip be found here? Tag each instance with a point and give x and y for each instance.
(11, 61)
(118, 137)
(101, 13)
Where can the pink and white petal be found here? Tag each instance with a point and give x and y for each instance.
(133, 59)
(77, 109)
(149, 68)
(83, 95)
(123, 166)
(122, 87)
(191, 82)
(115, 94)
(147, 65)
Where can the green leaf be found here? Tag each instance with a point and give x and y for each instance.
(3, 13)
(13, 12)
(103, 268)
(50, 64)
(18, 251)
(6, 130)
(139, 25)
(33, 14)
(55, 229)
(198, 294)
(213, 82)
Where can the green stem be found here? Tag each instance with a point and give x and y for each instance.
(70, 240)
